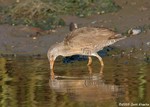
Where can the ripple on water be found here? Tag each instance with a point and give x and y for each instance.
(28, 83)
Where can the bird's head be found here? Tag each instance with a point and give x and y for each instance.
(52, 54)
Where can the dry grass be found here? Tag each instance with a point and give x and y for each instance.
(34, 9)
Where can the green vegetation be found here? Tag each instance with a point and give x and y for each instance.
(46, 13)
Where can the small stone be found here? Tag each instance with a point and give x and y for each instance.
(148, 43)
(12, 46)
(34, 38)
(102, 12)
(53, 30)
(133, 3)
(93, 22)
(17, 1)
(131, 51)
(143, 8)
(134, 31)
(98, 12)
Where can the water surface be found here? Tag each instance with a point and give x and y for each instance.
(25, 82)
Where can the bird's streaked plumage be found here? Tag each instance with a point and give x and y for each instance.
(84, 41)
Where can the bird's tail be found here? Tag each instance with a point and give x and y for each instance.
(117, 37)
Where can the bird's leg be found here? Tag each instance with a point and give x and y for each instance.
(100, 59)
(101, 71)
(90, 69)
(52, 75)
(52, 66)
(90, 61)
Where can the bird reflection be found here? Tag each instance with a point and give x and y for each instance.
(52, 74)
(91, 71)
(85, 88)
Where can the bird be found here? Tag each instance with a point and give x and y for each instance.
(83, 41)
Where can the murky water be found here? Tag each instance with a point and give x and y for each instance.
(25, 82)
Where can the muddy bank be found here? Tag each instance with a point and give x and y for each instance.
(25, 40)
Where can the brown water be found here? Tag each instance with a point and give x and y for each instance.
(25, 82)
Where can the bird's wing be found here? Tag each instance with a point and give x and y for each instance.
(88, 37)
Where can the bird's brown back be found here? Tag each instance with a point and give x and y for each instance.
(88, 35)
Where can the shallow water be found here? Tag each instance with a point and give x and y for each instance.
(25, 82)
